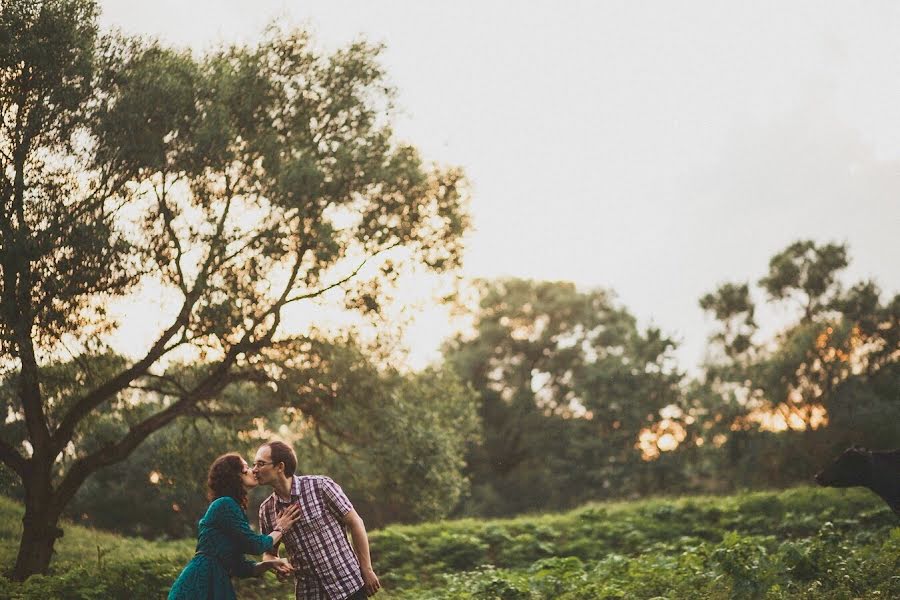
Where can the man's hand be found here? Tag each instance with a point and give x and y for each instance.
(372, 583)
(271, 563)
(283, 569)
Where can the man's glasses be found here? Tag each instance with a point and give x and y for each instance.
(261, 463)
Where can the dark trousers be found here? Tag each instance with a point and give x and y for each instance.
(359, 594)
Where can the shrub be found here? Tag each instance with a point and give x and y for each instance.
(135, 579)
(456, 551)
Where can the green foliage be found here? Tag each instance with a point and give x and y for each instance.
(165, 476)
(806, 273)
(564, 378)
(134, 579)
(838, 358)
(395, 442)
(732, 307)
(743, 546)
(240, 182)
(455, 551)
(850, 550)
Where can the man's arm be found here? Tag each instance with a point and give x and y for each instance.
(361, 544)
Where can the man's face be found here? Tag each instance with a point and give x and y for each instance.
(263, 468)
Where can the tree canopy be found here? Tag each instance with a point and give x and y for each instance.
(240, 182)
(567, 381)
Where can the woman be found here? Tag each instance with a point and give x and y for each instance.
(224, 536)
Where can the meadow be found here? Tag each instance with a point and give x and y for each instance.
(797, 543)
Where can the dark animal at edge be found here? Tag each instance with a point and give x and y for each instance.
(877, 470)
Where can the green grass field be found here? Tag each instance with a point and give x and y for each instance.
(798, 543)
(82, 545)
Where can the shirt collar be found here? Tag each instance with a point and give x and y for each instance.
(295, 491)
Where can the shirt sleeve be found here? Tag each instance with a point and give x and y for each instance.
(264, 525)
(233, 521)
(335, 498)
(244, 568)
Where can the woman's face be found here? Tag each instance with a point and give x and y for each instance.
(247, 476)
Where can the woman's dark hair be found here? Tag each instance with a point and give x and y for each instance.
(224, 479)
(282, 453)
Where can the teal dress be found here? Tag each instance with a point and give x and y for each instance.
(223, 537)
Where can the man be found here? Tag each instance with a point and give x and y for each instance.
(324, 565)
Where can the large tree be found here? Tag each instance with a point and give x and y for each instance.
(567, 382)
(239, 184)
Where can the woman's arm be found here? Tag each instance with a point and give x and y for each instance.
(266, 565)
(247, 568)
(233, 522)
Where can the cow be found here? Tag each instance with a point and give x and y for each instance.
(877, 470)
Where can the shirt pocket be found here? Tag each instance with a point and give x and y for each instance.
(312, 523)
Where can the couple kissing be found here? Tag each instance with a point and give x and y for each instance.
(309, 514)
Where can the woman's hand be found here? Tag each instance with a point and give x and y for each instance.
(288, 518)
(279, 565)
(282, 568)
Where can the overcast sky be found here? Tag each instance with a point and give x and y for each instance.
(653, 148)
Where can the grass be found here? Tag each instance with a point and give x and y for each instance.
(80, 545)
(798, 543)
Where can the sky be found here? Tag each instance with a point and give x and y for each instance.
(655, 148)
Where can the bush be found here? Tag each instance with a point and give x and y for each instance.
(716, 548)
(136, 579)
(457, 552)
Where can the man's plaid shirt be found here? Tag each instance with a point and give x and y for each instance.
(326, 567)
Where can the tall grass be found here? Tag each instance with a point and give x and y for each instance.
(798, 543)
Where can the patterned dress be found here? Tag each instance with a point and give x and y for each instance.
(223, 537)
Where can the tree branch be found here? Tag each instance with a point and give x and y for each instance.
(214, 414)
(167, 216)
(97, 396)
(342, 454)
(89, 402)
(113, 453)
(13, 459)
(170, 380)
(321, 291)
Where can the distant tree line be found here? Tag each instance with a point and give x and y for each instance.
(555, 398)
(577, 403)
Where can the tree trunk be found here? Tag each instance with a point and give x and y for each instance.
(39, 530)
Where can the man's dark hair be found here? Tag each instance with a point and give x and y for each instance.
(282, 453)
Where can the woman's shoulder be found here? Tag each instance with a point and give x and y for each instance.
(224, 504)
